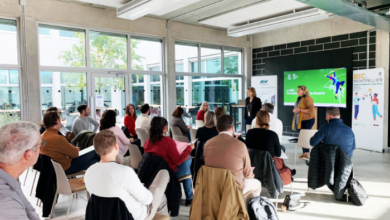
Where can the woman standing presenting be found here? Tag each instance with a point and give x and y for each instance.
(252, 106)
(303, 114)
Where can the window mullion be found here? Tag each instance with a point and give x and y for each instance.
(222, 61)
(87, 49)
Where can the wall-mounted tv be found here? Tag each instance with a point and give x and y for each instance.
(328, 87)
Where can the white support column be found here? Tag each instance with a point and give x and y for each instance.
(382, 60)
(147, 93)
(170, 95)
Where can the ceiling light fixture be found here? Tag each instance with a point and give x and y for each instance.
(289, 20)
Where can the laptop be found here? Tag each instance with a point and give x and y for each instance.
(241, 102)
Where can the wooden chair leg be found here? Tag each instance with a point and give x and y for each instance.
(276, 202)
(291, 188)
(70, 203)
(295, 158)
(26, 177)
(54, 204)
(33, 182)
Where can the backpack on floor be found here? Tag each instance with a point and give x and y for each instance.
(260, 208)
(356, 192)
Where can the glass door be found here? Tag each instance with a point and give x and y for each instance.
(109, 93)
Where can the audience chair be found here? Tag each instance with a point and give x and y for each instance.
(181, 139)
(199, 123)
(248, 127)
(176, 131)
(304, 141)
(193, 133)
(181, 179)
(143, 135)
(135, 156)
(66, 187)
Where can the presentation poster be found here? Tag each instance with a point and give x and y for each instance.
(267, 89)
(368, 108)
(328, 87)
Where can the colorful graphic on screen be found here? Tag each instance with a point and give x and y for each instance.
(327, 86)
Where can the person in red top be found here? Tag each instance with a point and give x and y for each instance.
(159, 145)
(130, 118)
(203, 109)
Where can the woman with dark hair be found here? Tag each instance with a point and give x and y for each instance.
(108, 122)
(159, 145)
(130, 118)
(177, 121)
(218, 112)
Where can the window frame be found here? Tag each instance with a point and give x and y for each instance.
(90, 70)
(17, 66)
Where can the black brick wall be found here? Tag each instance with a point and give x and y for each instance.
(357, 41)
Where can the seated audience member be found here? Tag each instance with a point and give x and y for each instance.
(43, 129)
(19, 150)
(209, 130)
(159, 145)
(203, 109)
(108, 121)
(61, 151)
(177, 121)
(226, 152)
(83, 122)
(144, 120)
(130, 118)
(111, 180)
(261, 138)
(218, 112)
(275, 124)
(335, 132)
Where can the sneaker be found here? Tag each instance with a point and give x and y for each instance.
(188, 202)
(300, 157)
(306, 157)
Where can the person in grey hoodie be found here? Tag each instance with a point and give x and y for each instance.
(83, 122)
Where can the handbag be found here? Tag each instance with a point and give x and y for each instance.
(292, 201)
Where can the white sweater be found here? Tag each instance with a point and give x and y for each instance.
(115, 180)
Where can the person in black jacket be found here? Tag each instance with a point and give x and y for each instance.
(261, 138)
(209, 130)
(252, 105)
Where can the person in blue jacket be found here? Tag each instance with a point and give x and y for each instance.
(335, 133)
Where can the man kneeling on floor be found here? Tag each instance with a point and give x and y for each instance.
(111, 180)
(226, 152)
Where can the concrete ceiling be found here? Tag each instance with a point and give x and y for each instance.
(228, 13)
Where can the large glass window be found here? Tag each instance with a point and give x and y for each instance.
(8, 42)
(9, 96)
(59, 49)
(212, 57)
(217, 91)
(146, 52)
(232, 61)
(186, 56)
(65, 90)
(143, 92)
(108, 50)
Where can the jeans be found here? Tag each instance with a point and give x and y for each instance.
(356, 111)
(248, 121)
(375, 111)
(283, 148)
(189, 136)
(308, 124)
(83, 162)
(185, 169)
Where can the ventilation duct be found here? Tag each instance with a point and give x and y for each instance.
(352, 10)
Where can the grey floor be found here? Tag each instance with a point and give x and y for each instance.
(371, 169)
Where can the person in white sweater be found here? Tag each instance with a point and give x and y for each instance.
(111, 180)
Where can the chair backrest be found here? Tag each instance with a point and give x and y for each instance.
(100, 208)
(193, 133)
(199, 123)
(181, 139)
(135, 156)
(63, 186)
(304, 138)
(143, 135)
(248, 127)
(176, 131)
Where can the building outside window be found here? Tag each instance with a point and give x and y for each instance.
(221, 90)
(10, 68)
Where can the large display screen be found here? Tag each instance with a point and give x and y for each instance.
(328, 87)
